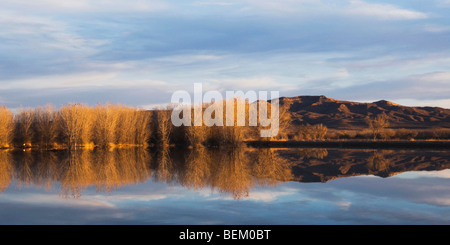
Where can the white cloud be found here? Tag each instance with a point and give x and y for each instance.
(34, 34)
(439, 201)
(222, 3)
(121, 198)
(341, 73)
(440, 76)
(287, 6)
(259, 83)
(443, 3)
(71, 80)
(436, 28)
(444, 103)
(86, 5)
(105, 79)
(445, 174)
(346, 8)
(189, 59)
(266, 196)
(382, 11)
(344, 204)
(54, 200)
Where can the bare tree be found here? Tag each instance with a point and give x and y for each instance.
(164, 126)
(284, 121)
(234, 135)
(45, 126)
(76, 123)
(378, 124)
(24, 132)
(6, 127)
(311, 132)
(142, 128)
(106, 122)
(196, 135)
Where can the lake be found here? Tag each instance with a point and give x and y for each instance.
(226, 186)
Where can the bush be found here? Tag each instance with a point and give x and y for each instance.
(311, 132)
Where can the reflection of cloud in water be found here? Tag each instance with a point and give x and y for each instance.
(52, 200)
(267, 196)
(425, 174)
(361, 200)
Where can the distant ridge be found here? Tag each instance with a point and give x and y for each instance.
(348, 115)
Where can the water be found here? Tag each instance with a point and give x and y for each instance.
(247, 186)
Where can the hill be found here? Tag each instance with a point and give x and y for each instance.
(337, 114)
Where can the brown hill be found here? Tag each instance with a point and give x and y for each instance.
(348, 115)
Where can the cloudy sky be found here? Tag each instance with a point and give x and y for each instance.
(138, 52)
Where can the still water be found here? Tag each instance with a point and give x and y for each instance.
(225, 186)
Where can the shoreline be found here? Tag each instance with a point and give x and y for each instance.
(444, 144)
(349, 144)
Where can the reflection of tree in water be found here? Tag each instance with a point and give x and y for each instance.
(46, 169)
(75, 170)
(106, 170)
(318, 153)
(24, 174)
(227, 170)
(78, 173)
(6, 169)
(197, 169)
(233, 170)
(122, 167)
(39, 168)
(378, 163)
(165, 169)
(270, 168)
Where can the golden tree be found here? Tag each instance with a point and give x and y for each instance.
(23, 126)
(6, 127)
(378, 124)
(46, 129)
(164, 126)
(76, 122)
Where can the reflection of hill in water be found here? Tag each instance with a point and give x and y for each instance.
(383, 163)
(234, 171)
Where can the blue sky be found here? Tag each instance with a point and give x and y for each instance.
(138, 52)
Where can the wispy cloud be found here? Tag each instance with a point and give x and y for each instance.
(266, 196)
(55, 200)
(344, 8)
(87, 5)
(70, 80)
(425, 174)
(436, 28)
(382, 11)
(442, 3)
(212, 2)
(421, 87)
(250, 83)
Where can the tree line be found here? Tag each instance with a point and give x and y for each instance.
(110, 126)
(73, 126)
(107, 125)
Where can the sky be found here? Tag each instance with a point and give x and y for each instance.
(138, 52)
